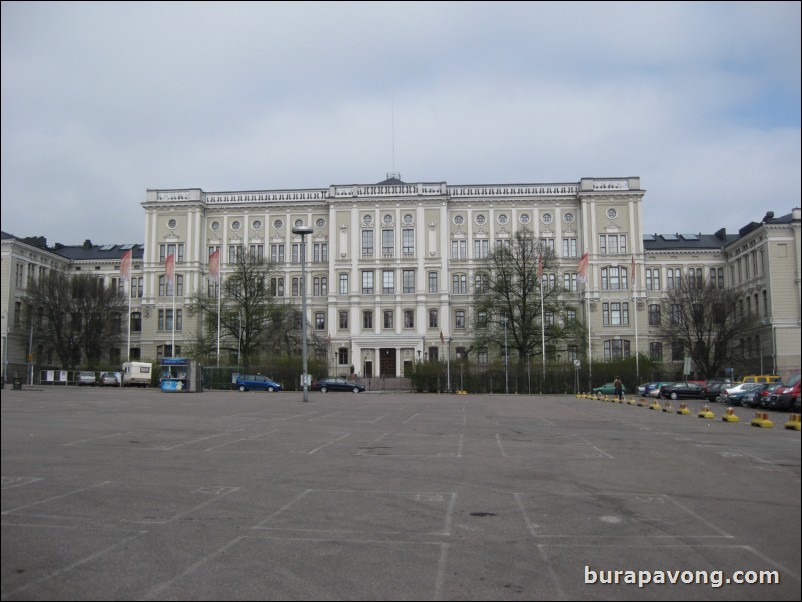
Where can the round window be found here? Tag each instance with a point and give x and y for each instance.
(367, 220)
(215, 226)
(299, 223)
(546, 218)
(172, 224)
(257, 225)
(320, 222)
(388, 219)
(502, 219)
(524, 218)
(235, 225)
(278, 224)
(612, 213)
(459, 220)
(408, 218)
(568, 218)
(480, 219)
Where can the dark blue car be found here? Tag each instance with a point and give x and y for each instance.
(256, 382)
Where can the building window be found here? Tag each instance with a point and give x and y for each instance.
(388, 282)
(481, 248)
(570, 282)
(615, 314)
(459, 319)
(614, 278)
(675, 313)
(320, 286)
(615, 349)
(177, 249)
(166, 288)
(432, 318)
(256, 253)
(343, 320)
(408, 242)
(388, 318)
(165, 319)
(277, 253)
(234, 253)
(388, 243)
(481, 355)
(320, 252)
(409, 281)
(656, 352)
(367, 243)
(136, 321)
(673, 278)
(296, 283)
(433, 288)
(569, 247)
(342, 356)
(367, 282)
(459, 284)
(367, 319)
(409, 318)
(654, 315)
(677, 352)
(343, 284)
(481, 318)
(320, 321)
(653, 279)
(459, 249)
(433, 354)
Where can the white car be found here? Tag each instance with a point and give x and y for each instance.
(734, 388)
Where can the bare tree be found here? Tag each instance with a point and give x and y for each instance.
(703, 322)
(75, 314)
(507, 297)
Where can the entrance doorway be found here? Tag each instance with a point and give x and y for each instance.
(387, 362)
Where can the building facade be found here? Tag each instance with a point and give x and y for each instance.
(391, 266)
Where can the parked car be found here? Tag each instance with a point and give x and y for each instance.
(784, 398)
(752, 397)
(87, 378)
(760, 378)
(714, 387)
(734, 395)
(683, 389)
(257, 382)
(764, 396)
(336, 383)
(653, 386)
(608, 389)
(109, 379)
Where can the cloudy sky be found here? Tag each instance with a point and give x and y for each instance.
(101, 101)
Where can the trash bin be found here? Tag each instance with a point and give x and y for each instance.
(17, 384)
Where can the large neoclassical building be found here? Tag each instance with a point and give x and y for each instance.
(391, 266)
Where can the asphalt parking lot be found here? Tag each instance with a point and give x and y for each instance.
(120, 494)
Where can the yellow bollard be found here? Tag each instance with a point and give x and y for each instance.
(706, 413)
(795, 422)
(655, 405)
(730, 416)
(683, 409)
(761, 419)
(667, 407)
(632, 401)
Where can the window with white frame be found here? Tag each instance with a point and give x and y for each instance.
(367, 282)
(409, 281)
(343, 284)
(388, 282)
(569, 247)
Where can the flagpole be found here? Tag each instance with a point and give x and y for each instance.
(635, 314)
(129, 320)
(542, 335)
(218, 318)
(173, 340)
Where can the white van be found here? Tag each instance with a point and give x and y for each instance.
(137, 374)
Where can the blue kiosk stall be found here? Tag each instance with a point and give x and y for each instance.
(180, 375)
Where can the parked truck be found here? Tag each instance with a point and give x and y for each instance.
(137, 374)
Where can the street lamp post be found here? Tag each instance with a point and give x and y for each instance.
(303, 231)
(506, 360)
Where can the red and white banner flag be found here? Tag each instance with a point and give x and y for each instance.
(214, 266)
(169, 268)
(582, 268)
(125, 265)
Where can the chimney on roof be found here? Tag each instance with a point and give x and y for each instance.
(87, 244)
(721, 234)
(769, 215)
